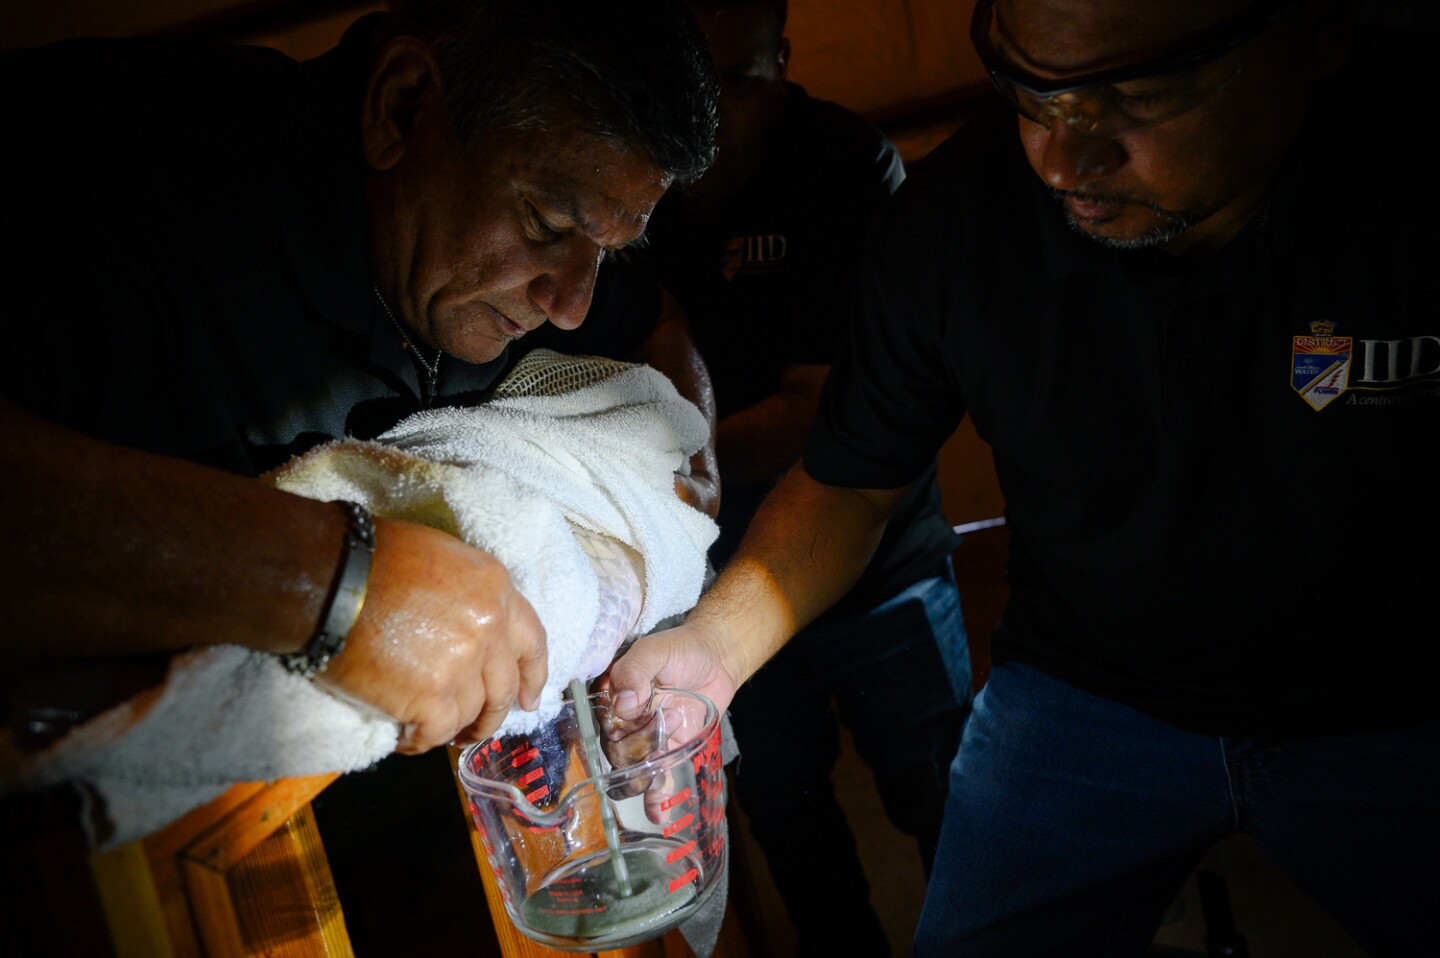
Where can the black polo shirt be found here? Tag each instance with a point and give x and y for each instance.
(186, 260)
(1219, 469)
(766, 280)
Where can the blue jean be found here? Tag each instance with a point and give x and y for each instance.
(1072, 821)
(883, 675)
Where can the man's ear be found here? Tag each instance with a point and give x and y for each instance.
(782, 57)
(404, 85)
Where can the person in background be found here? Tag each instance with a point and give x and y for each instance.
(1178, 278)
(758, 251)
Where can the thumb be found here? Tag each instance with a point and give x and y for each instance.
(635, 673)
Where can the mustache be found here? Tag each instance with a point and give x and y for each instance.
(1174, 218)
(1169, 225)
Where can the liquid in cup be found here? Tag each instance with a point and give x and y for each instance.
(541, 815)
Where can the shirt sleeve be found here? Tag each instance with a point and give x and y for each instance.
(818, 293)
(891, 400)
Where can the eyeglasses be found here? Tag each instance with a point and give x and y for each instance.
(1091, 104)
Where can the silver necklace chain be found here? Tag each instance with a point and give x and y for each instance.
(432, 370)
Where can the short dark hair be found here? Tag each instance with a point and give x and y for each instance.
(635, 70)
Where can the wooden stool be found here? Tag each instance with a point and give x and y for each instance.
(244, 875)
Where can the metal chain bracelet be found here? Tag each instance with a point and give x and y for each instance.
(347, 596)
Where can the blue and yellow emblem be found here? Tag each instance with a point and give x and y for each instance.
(1320, 365)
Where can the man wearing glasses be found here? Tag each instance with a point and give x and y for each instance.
(1187, 308)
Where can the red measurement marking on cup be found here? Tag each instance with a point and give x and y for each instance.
(710, 754)
(711, 814)
(527, 756)
(675, 799)
(538, 794)
(683, 880)
(679, 823)
(680, 852)
(529, 777)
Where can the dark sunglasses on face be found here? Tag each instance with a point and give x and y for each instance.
(1154, 90)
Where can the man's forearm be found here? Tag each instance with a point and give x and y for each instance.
(115, 552)
(802, 552)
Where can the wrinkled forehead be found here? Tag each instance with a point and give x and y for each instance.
(607, 188)
(1061, 37)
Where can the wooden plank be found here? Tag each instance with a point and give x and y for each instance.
(285, 903)
(174, 838)
(164, 848)
(257, 879)
(130, 903)
(213, 910)
(323, 894)
(229, 840)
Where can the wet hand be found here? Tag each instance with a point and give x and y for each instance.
(445, 644)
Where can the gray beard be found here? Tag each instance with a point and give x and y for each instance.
(1171, 225)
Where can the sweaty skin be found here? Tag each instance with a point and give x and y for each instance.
(129, 553)
(473, 249)
(119, 553)
(439, 610)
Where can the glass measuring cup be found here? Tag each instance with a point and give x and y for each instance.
(543, 819)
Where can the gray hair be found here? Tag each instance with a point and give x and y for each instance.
(636, 71)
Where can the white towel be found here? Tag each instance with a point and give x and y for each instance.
(570, 453)
(567, 447)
